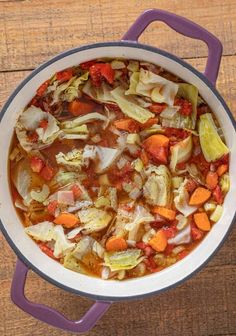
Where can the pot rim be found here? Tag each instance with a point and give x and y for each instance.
(94, 46)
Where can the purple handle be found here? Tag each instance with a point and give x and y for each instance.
(49, 315)
(184, 27)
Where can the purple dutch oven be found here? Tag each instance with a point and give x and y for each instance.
(30, 257)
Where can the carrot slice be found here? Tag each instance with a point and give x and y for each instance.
(157, 146)
(222, 169)
(164, 212)
(159, 241)
(199, 196)
(202, 221)
(116, 244)
(156, 140)
(68, 220)
(77, 107)
(128, 125)
(212, 180)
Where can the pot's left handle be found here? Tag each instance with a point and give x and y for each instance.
(50, 315)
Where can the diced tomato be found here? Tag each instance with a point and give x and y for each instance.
(36, 164)
(201, 163)
(157, 108)
(151, 264)
(185, 106)
(43, 87)
(95, 75)
(76, 191)
(47, 173)
(52, 206)
(191, 185)
(64, 75)
(160, 155)
(196, 233)
(178, 133)
(141, 245)
(218, 195)
(157, 224)
(33, 137)
(148, 251)
(87, 65)
(47, 250)
(169, 249)
(43, 124)
(182, 254)
(107, 72)
(34, 101)
(101, 70)
(170, 232)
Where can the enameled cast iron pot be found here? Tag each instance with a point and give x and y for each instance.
(30, 256)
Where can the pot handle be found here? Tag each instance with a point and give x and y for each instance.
(184, 27)
(50, 315)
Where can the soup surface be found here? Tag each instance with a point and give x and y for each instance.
(118, 168)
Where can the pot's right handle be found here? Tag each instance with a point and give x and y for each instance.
(184, 27)
(48, 314)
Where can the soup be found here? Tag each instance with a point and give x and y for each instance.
(118, 168)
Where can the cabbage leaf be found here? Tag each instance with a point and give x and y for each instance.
(123, 260)
(212, 146)
(157, 189)
(180, 152)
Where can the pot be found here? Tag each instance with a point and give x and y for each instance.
(30, 257)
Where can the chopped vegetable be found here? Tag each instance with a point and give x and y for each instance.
(36, 164)
(122, 260)
(94, 220)
(159, 241)
(165, 212)
(157, 189)
(47, 173)
(202, 221)
(67, 220)
(212, 146)
(209, 207)
(133, 139)
(181, 152)
(77, 107)
(129, 107)
(199, 196)
(176, 181)
(225, 183)
(222, 169)
(217, 213)
(182, 237)
(116, 244)
(157, 146)
(41, 195)
(211, 180)
(218, 195)
(72, 160)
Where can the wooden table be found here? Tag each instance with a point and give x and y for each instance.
(31, 32)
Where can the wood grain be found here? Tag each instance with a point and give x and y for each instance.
(32, 31)
(49, 27)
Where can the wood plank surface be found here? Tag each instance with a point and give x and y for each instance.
(32, 31)
(49, 27)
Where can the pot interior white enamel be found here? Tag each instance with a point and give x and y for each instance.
(53, 271)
